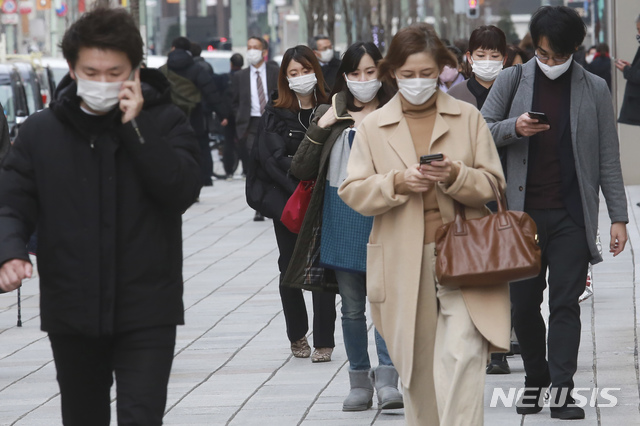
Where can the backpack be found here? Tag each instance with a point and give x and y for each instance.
(184, 94)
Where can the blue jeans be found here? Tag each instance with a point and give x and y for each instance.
(353, 291)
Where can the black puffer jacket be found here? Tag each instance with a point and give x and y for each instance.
(269, 182)
(181, 62)
(108, 207)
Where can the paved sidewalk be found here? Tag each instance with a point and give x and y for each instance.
(233, 364)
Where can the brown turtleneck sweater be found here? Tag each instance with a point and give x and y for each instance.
(421, 121)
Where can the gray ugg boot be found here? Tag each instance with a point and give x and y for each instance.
(361, 394)
(385, 380)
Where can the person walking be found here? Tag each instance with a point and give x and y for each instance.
(600, 64)
(630, 111)
(252, 88)
(322, 156)
(554, 177)
(231, 151)
(181, 62)
(270, 184)
(438, 337)
(487, 54)
(106, 173)
(323, 49)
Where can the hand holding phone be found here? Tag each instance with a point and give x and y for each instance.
(131, 99)
(540, 116)
(427, 159)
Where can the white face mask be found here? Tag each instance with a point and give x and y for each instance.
(487, 70)
(304, 84)
(364, 91)
(417, 90)
(98, 95)
(589, 58)
(555, 71)
(254, 56)
(326, 55)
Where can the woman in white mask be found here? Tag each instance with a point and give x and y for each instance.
(438, 337)
(323, 156)
(487, 54)
(270, 184)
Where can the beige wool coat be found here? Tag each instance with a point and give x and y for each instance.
(382, 148)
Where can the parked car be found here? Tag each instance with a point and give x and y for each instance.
(219, 60)
(58, 67)
(155, 61)
(44, 73)
(32, 86)
(13, 98)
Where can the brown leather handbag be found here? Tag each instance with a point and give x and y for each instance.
(495, 249)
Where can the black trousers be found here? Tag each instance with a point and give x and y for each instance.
(206, 162)
(246, 142)
(141, 361)
(566, 255)
(293, 305)
(230, 147)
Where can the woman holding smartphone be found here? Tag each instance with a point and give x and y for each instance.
(270, 184)
(323, 156)
(438, 337)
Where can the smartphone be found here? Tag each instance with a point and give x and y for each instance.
(427, 159)
(540, 116)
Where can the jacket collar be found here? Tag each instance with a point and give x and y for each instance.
(339, 103)
(391, 113)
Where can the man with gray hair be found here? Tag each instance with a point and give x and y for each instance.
(323, 48)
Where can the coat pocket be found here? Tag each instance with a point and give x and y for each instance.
(375, 273)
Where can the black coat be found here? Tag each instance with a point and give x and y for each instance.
(601, 66)
(269, 181)
(108, 207)
(330, 72)
(181, 62)
(630, 111)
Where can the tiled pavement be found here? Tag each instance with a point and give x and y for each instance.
(232, 362)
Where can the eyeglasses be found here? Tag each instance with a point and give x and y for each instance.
(558, 60)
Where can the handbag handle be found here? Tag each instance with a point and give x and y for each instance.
(461, 217)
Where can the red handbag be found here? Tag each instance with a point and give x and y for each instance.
(295, 209)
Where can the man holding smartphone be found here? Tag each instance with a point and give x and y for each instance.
(554, 173)
(105, 173)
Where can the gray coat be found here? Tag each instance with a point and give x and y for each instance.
(593, 135)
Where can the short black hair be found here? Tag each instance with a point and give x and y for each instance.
(319, 37)
(237, 60)
(265, 44)
(602, 48)
(195, 49)
(561, 25)
(181, 43)
(488, 37)
(105, 29)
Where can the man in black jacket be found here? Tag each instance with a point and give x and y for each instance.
(630, 111)
(180, 61)
(323, 48)
(106, 174)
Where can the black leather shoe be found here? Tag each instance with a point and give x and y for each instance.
(258, 217)
(498, 364)
(567, 413)
(531, 401)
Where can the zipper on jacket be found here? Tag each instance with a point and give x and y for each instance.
(135, 127)
(92, 142)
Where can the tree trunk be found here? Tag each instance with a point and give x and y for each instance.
(308, 10)
(330, 25)
(348, 7)
(319, 17)
(388, 23)
(135, 11)
(413, 11)
(105, 4)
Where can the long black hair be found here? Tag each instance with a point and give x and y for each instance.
(350, 62)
